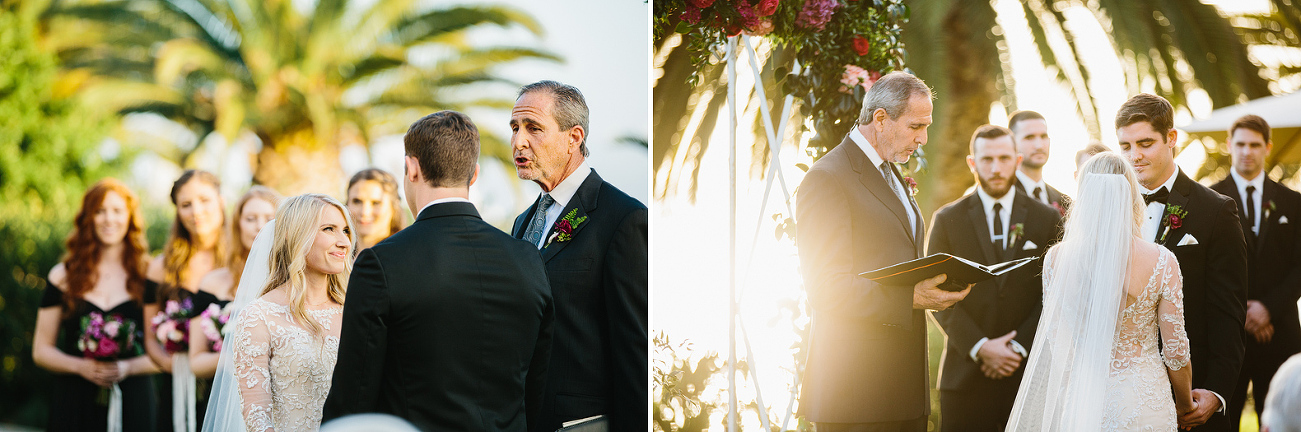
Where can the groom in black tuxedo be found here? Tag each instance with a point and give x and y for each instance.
(1270, 214)
(1201, 227)
(991, 331)
(448, 322)
(868, 368)
(592, 237)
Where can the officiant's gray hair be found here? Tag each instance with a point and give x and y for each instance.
(569, 109)
(892, 93)
(1281, 413)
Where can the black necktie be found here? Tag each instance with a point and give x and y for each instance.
(1251, 208)
(998, 227)
(1161, 195)
(1038, 191)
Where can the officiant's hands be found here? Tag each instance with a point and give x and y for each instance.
(997, 360)
(928, 295)
(1205, 403)
(1258, 322)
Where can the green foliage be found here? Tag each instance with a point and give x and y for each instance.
(48, 156)
(679, 387)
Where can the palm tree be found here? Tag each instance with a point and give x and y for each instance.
(953, 46)
(305, 82)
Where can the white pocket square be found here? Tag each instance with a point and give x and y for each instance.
(1282, 220)
(1188, 240)
(1029, 245)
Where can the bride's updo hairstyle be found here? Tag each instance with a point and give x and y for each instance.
(296, 223)
(1084, 291)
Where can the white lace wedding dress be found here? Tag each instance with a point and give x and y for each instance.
(1138, 389)
(282, 369)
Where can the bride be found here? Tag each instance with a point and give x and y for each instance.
(1097, 364)
(276, 370)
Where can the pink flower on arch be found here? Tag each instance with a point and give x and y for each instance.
(817, 13)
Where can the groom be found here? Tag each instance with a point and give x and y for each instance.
(447, 322)
(1201, 227)
(867, 368)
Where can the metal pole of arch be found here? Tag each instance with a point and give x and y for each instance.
(732, 425)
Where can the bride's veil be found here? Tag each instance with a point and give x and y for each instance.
(225, 411)
(1065, 382)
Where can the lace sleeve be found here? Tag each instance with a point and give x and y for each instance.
(252, 344)
(1170, 315)
(1048, 267)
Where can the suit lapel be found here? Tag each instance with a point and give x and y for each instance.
(976, 214)
(583, 202)
(521, 221)
(870, 176)
(1231, 191)
(1178, 197)
(1020, 209)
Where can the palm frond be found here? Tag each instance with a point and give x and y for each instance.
(432, 24)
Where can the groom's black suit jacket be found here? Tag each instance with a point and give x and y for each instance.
(867, 356)
(448, 325)
(1215, 286)
(1274, 271)
(600, 282)
(997, 306)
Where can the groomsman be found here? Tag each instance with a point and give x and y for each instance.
(1201, 227)
(867, 367)
(592, 237)
(1030, 133)
(990, 332)
(1273, 260)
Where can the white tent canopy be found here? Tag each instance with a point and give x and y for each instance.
(1283, 113)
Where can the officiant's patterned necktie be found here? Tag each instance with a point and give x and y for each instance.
(891, 180)
(538, 226)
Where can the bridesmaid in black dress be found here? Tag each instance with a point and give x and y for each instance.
(251, 213)
(196, 245)
(102, 272)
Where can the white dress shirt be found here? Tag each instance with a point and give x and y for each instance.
(1006, 214)
(1030, 184)
(562, 194)
(1242, 183)
(858, 138)
(1155, 210)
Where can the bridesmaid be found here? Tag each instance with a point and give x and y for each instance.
(196, 245)
(102, 272)
(252, 212)
(375, 206)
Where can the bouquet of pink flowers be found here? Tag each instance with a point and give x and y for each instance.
(214, 319)
(107, 338)
(172, 325)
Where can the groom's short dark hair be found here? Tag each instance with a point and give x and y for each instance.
(446, 144)
(1144, 107)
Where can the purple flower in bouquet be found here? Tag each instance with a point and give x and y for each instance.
(214, 319)
(172, 325)
(106, 337)
(817, 13)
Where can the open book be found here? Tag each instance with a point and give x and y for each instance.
(960, 271)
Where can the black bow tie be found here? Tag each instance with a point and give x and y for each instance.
(1159, 196)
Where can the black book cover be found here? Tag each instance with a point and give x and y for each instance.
(960, 271)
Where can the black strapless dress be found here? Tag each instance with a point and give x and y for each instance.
(74, 402)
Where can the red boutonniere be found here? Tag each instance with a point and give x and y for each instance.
(1017, 231)
(1271, 208)
(912, 185)
(1059, 208)
(564, 228)
(1174, 219)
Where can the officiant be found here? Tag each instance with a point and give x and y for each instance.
(990, 332)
